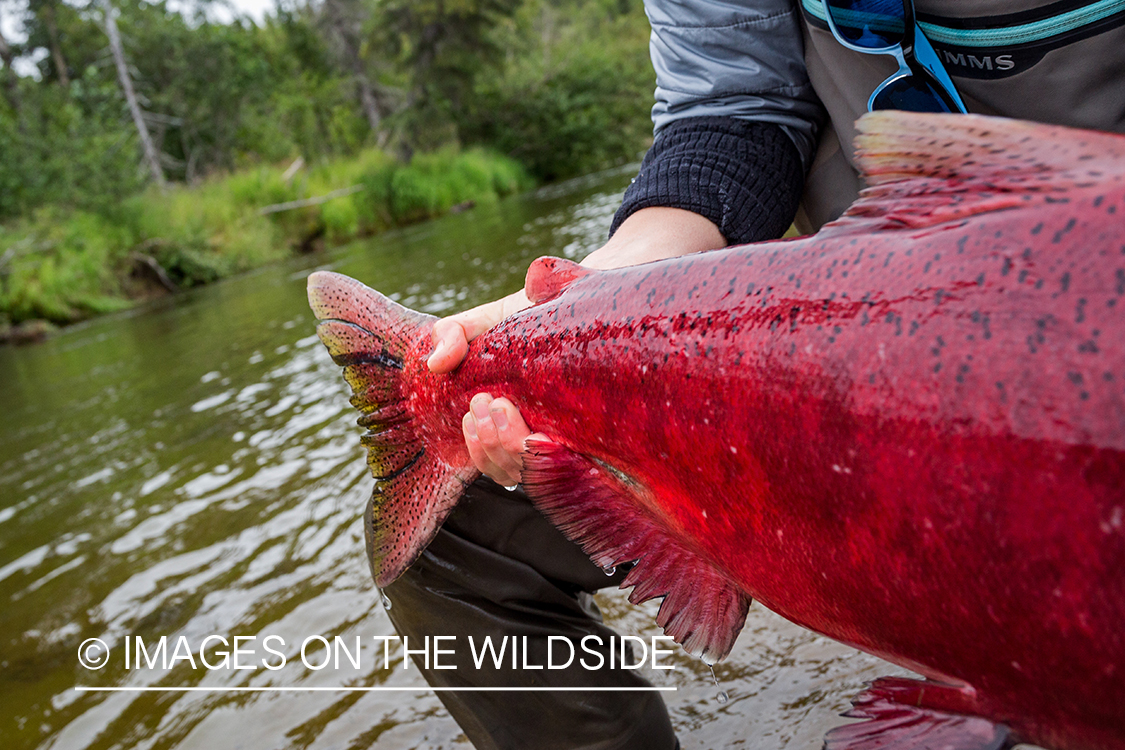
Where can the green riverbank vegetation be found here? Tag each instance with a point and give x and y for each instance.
(188, 150)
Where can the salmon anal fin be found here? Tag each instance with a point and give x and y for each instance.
(370, 336)
(547, 277)
(914, 715)
(702, 609)
(928, 169)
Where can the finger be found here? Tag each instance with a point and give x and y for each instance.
(492, 441)
(479, 458)
(451, 336)
(451, 344)
(510, 426)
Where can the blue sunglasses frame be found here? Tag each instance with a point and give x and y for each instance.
(915, 56)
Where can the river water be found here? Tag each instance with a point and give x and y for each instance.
(194, 469)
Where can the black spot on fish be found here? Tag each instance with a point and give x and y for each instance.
(1120, 275)
(961, 243)
(1006, 267)
(1052, 199)
(1088, 347)
(1080, 313)
(1037, 229)
(1062, 232)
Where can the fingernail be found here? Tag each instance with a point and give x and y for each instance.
(432, 355)
(471, 428)
(479, 407)
(500, 418)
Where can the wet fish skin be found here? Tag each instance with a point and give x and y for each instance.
(906, 432)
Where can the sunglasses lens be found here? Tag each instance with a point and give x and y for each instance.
(871, 24)
(913, 94)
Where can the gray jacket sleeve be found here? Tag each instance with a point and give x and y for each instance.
(735, 115)
(736, 58)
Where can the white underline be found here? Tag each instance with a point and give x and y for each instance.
(289, 689)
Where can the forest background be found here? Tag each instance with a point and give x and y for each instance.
(145, 148)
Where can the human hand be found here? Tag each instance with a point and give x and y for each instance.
(451, 336)
(494, 430)
(495, 433)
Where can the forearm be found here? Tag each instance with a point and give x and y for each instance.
(654, 234)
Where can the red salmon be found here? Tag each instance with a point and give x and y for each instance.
(906, 432)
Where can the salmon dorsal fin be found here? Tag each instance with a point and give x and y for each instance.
(548, 277)
(927, 169)
(702, 610)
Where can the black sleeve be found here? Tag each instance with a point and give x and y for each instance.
(744, 176)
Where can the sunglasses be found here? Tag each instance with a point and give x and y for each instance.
(887, 27)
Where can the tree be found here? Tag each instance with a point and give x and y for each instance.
(11, 84)
(45, 12)
(443, 44)
(345, 23)
(150, 155)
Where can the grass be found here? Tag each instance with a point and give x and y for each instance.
(64, 266)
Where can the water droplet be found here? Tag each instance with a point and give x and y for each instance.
(386, 600)
(722, 697)
(610, 570)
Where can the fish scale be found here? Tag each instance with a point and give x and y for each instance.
(906, 432)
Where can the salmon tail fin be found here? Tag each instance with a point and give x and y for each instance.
(548, 277)
(371, 337)
(914, 715)
(600, 509)
(928, 169)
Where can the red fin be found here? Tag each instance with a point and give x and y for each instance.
(547, 277)
(702, 609)
(928, 169)
(909, 714)
(369, 336)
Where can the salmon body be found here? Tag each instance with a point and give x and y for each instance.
(906, 432)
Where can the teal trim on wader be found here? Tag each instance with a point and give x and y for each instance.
(1040, 30)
